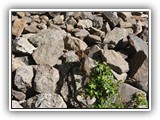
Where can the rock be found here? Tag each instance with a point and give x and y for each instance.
(85, 23)
(27, 19)
(97, 22)
(125, 24)
(44, 19)
(116, 61)
(71, 21)
(138, 44)
(21, 14)
(93, 39)
(58, 19)
(48, 36)
(16, 63)
(96, 31)
(23, 78)
(16, 104)
(116, 35)
(87, 15)
(46, 79)
(42, 26)
(81, 33)
(118, 77)
(70, 28)
(31, 28)
(144, 35)
(127, 91)
(51, 25)
(112, 18)
(95, 53)
(53, 14)
(46, 100)
(70, 56)
(22, 45)
(73, 43)
(65, 91)
(18, 27)
(124, 15)
(18, 95)
(14, 18)
(27, 36)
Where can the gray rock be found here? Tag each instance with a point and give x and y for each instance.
(48, 36)
(127, 91)
(116, 61)
(121, 77)
(65, 91)
(138, 44)
(14, 18)
(31, 28)
(22, 45)
(23, 78)
(16, 104)
(21, 14)
(86, 23)
(46, 79)
(18, 95)
(70, 56)
(93, 39)
(71, 21)
(112, 17)
(58, 19)
(53, 14)
(44, 19)
(16, 63)
(97, 22)
(81, 33)
(96, 31)
(42, 26)
(70, 28)
(27, 19)
(73, 43)
(46, 100)
(116, 35)
(87, 15)
(18, 27)
(124, 15)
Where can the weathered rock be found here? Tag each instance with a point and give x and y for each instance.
(65, 91)
(46, 100)
(93, 39)
(18, 95)
(73, 43)
(23, 45)
(48, 36)
(116, 61)
(51, 25)
(70, 56)
(127, 91)
(53, 14)
(112, 17)
(70, 28)
(18, 27)
(116, 35)
(27, 19)
(44, 19)
(21, 14)
(125, 24)
(97, 22)
(23, 78)
(42, 26)
(14, 18)
(95, 52)
(87, 15)
(31, 28)
(138, 44)
(16, 104)
(124, 15)
(122, 76)
(71, 21)
(16, 63)
(81, 33)
(85, 23)
(96, 31)
(144, 35)
(46, 79)
(58, 19)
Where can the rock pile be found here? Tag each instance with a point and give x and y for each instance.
(53, 54)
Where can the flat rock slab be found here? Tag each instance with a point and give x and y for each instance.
(46, 79)
(112, 17)
(16, 104)
(116, 61)
(116, 35)
(18, 95)
(85, 23)
(46, 100)
(18, 27)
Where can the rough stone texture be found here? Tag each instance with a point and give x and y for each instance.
(48, 36)
(112, 17)
(58, 19)
(81, 33)
(93, 39)
(138, 44)
(46, 100)
(97, 22)
(16, 63)
(96, 31)
(18, 95)
(16, 104)
(85, 23)
(124, 15)
(18, 27)
(23, 45)
(126, 92)
(70, 56)
(31, 28)
(23, 78)
(46, 79)
(116, 61)
(73, 43)
(122, 76)
(116, 35)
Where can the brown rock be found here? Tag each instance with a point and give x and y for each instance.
(18, 27)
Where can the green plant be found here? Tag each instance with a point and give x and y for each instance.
(138, 101)
(103, 87)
